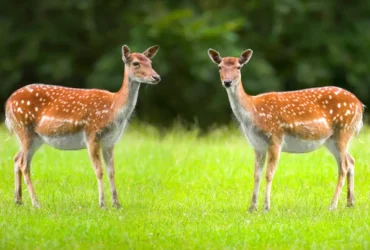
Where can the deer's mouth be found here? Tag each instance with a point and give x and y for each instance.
(155, 79)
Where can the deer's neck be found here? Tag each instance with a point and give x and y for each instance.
(241, 103)
(126, 97)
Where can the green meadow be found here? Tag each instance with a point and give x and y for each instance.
(184, 190)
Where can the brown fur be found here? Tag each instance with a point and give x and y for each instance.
(330, 114)
(37, 111)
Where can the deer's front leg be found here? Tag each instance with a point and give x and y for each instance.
(259, 161)
(109, 162)
(94, 153)
(272, 161)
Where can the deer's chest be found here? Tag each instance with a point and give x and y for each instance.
(255, 137)
(113, 132)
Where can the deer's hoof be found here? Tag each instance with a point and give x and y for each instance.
(117, 205)
(252, 209)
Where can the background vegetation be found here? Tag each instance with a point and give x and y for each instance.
(297, 44)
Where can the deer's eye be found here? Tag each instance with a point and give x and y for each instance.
(135, 64)
(238, 67)
(219, 67)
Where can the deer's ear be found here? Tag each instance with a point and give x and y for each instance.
(151, 52)
(125, 53)
(245, 56)
(215, 56)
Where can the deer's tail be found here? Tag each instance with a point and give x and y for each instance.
(360, 124)
(8, 123)
(9, 126)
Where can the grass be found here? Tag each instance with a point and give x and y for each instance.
(182, 191)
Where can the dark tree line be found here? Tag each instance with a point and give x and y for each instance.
(297, 44)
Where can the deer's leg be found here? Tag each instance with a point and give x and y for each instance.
(109, 162)
(17, 179)
(94, 153)
(350, 181)
(338, 149)
(342, 171)
(30, 144)
(272, 161)
(259, 161)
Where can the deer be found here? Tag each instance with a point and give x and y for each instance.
(298, 121)
(75, 119)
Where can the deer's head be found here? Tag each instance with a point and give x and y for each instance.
(229, 67)
(139, 65)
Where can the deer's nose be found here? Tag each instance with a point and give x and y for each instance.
(156, 78)
(227, 83)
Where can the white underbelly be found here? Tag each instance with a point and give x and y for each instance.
(66, 142)
(292, 144)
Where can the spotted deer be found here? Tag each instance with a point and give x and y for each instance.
(73, 119)
(294, 122)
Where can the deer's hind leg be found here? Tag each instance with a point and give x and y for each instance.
(30, 143)
(350, 181)
(18, 178)
(338, 147)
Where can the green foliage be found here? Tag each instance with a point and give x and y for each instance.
(180, 191)
(297, 44)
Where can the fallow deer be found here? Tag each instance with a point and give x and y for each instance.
(73, 119)
(294, 122)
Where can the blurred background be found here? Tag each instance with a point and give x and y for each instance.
(297, 44)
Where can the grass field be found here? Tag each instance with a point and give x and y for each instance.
(182, 191)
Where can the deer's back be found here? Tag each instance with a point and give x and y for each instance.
(55, 110)
(311, 113)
